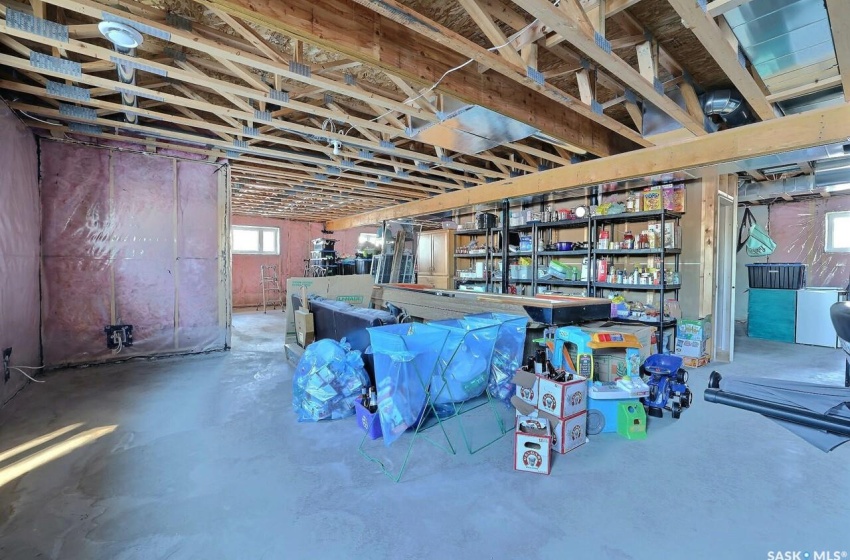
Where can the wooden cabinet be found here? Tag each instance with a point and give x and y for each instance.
(435, 258)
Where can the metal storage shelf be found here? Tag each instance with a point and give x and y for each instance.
(575, 253)
(576, 283)
(638, 251)
(472, 255)
(646, 215)
(564, 224)
(653, 287)
(471, 231)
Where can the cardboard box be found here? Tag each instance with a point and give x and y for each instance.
(533, 445)
(526, 386)
(696, 362)
(643, 333)
(355, 289)
(305, 332)
(672, 235)
(652, 200)
(562, 399)
(567, 433)
(674, 197)
(690, 348)
(690, 329)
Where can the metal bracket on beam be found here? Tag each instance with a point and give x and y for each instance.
(365, 154)
(350, 79)
(602, 42)
(422, 166)
(178, 21)
(84, 113)
(333, 170)
(250, 131)
(240, 143)
(386, 144)
(385, 178)
(35, 25)
(329, 98)
(535, 75)
(348, 163)
(300, 69)
(658, 85)
(279, 95)
(67, 91)
(320, 176)
(85, 128)
(55, 64)
(371, 185)
(265, 116)
(595, 107)
(630, 96)
(402, 174)
(703, 4)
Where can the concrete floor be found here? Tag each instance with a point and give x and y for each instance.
(207, 461)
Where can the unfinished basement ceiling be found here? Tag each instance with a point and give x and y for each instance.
(316, 125)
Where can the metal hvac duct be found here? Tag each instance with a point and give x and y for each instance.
(833, 174)
(728, 105)
(124, 39)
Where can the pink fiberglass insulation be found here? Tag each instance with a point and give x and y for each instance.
(119, 224)
(20, 228)
(295, 238)
(798, 229)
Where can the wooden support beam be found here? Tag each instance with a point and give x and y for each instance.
(492, 31)
(575, 33)
(384, 41)
(839, 22)
(813, 128)
(708, 33)
(800, 91)
(646, 62)
(720, 7)
(585, 87)
(691, 100)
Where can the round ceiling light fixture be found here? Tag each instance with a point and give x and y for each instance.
(121, 35)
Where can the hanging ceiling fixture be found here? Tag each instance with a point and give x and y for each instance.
(121, 35)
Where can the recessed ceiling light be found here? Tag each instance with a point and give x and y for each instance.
(120, 35)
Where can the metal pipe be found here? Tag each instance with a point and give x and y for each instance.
(833, 424)
(727, 104)
(127, 75)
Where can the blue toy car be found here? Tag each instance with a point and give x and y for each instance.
(668, 387)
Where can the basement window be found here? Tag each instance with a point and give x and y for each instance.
(252, 240)
(837, 232)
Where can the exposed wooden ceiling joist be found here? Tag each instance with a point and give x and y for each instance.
(362, 34)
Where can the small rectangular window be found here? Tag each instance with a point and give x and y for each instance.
(252, 240)
(837, 232)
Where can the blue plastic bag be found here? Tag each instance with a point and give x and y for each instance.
(464, 366)
(405, 359)
(327, 380)
(508, 353)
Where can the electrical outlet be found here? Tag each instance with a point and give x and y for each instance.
(7, 357)
(125, 332)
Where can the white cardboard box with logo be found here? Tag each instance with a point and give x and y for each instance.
(526, 386)
(562, 399)
(567, 433)
(532, 445)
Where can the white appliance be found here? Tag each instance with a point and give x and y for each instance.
(813, 323)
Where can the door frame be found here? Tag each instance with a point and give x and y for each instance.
(726, 258)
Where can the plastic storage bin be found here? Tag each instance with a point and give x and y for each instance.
(406, 357)
(777, 276)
